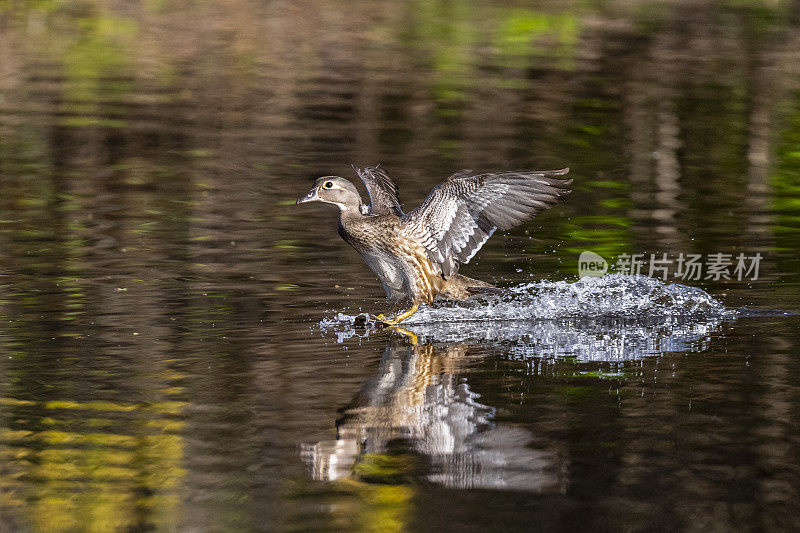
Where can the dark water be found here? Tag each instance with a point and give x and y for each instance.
(172, 354)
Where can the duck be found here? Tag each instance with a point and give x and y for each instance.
(416, 255)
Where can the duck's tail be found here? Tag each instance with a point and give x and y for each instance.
(458, 287)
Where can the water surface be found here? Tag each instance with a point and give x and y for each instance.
(175, 347)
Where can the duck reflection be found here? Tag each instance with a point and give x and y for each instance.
(419, 399)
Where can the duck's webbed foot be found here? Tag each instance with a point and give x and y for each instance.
(399, 318)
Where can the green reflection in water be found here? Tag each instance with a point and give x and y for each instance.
(98, 66)
(786, 201)
(523, 34)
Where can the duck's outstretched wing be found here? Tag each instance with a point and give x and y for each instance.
(460, 214)
(383, 193)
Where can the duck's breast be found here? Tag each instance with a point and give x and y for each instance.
(373, 238)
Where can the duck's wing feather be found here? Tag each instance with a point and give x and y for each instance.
(383, 193)
(460, 214)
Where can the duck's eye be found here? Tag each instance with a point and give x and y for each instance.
(328, 185)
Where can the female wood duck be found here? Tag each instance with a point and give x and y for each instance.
(416, 255)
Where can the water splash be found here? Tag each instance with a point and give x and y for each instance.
(612, 296)
(613, 318)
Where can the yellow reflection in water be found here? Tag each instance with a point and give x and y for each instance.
(64, 479)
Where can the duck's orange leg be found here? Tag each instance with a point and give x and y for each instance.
(399, 318)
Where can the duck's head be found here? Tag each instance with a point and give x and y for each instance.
(333, 190)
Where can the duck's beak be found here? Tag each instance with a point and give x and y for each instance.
(310, 197)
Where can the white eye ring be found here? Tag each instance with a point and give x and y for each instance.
(327, 185)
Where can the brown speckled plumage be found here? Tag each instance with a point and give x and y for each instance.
(416, 255)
